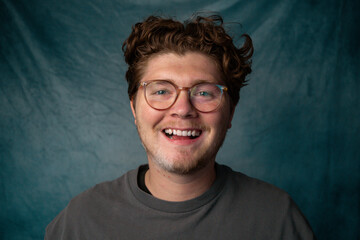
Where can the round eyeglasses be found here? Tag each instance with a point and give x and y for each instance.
(162, 94)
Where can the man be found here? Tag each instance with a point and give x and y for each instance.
(184, 82)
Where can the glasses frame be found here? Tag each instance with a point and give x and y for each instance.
(179, 89)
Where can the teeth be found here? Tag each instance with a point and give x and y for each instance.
(185, 133)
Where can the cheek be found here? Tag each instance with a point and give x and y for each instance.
(145, 115)
(221, 120)
(215, 121)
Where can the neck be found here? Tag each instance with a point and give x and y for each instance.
(173, 187)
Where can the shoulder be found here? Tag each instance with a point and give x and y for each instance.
(265, 206)
(90, 205)
(105, 191)
(250, 186)
(256, 196)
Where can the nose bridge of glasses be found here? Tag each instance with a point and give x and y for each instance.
(183, 89)
(183, 101)
(180, 89)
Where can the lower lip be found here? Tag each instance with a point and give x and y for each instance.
(182, 140)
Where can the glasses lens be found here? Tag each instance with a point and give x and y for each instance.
(160, 94)
(206, 97)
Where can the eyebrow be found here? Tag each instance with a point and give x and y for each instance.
(197, 81)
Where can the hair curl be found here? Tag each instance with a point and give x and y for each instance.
(206, 35)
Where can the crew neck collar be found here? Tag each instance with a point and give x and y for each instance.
(178, 207)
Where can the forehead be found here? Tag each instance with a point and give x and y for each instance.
(183, 69)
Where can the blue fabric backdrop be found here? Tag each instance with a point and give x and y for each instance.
(66, 123)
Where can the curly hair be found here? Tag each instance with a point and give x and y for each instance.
(205, 35)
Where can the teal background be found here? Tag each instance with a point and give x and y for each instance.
(66, 124)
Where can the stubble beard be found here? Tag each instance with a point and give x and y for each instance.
(185, 163)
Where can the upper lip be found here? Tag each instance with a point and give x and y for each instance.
(182, 129)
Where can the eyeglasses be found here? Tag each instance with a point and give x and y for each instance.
(162, 94)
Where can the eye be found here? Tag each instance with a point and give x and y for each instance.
(160, 92)
(204, 94)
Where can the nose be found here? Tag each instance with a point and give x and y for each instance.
(182, 107)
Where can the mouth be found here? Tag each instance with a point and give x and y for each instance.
(182, 134)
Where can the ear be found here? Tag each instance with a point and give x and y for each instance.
(232, 111)
(133, 109)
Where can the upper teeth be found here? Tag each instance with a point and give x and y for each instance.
(183, 132)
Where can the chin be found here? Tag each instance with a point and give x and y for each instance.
(185, 164)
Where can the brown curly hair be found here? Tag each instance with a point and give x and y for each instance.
(206, 35)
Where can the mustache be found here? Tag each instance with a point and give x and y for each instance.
(176, 125)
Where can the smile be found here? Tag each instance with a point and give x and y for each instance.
(170, 133)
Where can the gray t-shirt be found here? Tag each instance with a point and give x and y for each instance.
(235, 207)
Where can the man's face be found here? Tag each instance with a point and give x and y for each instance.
(181, 154)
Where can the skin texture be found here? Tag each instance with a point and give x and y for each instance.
(181, 168)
